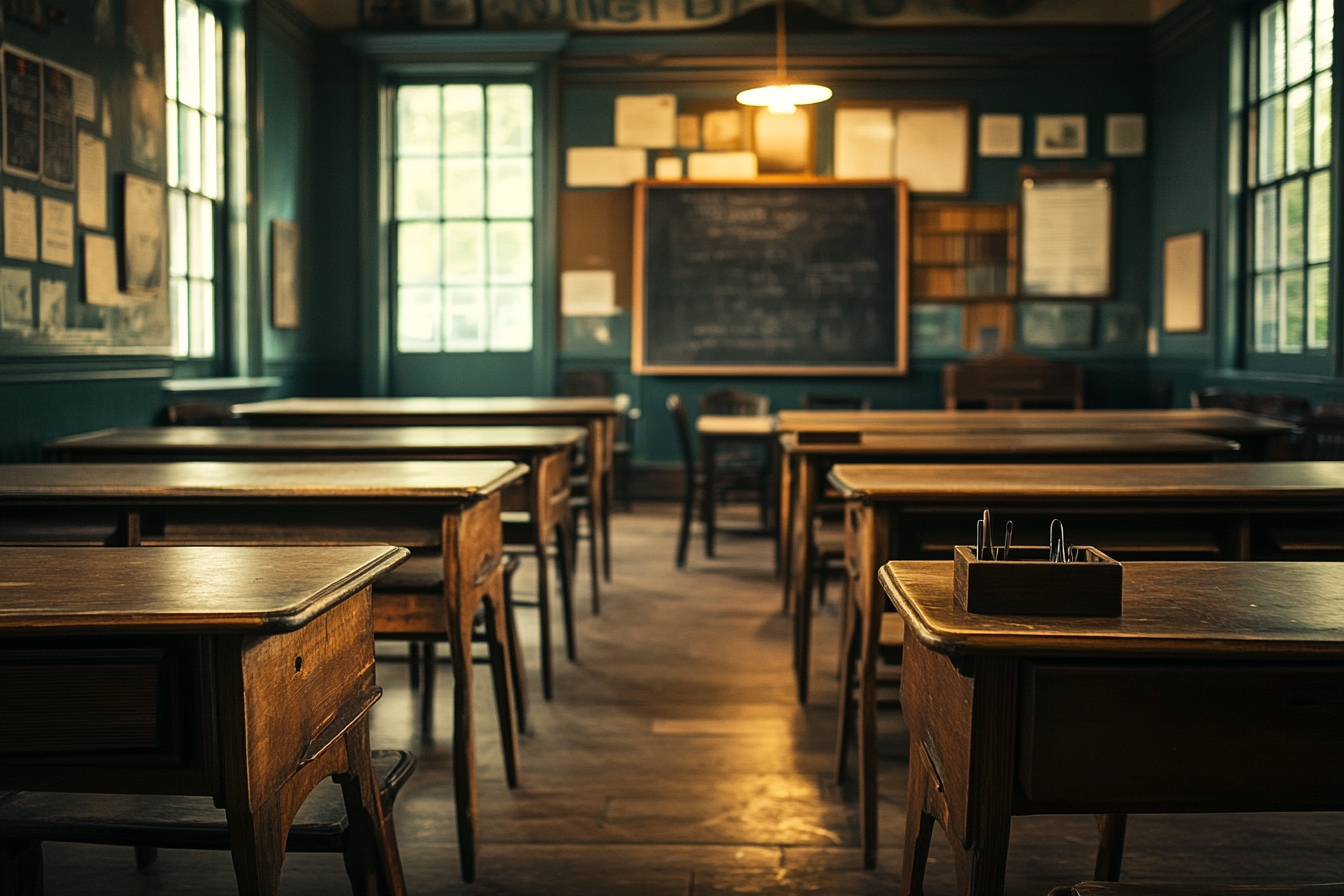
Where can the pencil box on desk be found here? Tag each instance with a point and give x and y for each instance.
(1029, 584)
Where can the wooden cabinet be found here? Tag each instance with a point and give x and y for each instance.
(963, 251)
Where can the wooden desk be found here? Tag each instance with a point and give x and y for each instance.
(805, 459)
(1223, 511)
(596, 414)
(719, 429)
(450, 507)
(1220, 689)
(545, 449)
(244, 674)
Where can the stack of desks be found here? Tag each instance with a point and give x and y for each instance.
(449, 507)
(242, 674)
(1182, 511)
(599, 416)
(813, 441)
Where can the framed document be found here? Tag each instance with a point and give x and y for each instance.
(926, 143)
(1183, 283)
(1068, 234)
(144, 229)
(284, 275)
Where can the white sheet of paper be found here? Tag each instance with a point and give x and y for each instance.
(100, 272)
(587, 293)
(648, 121)
(1125, 135)
(721, 166)
(51, 305)
(86, 96)
(721, 130)
(58, 232)
(604, 166)
(864, 143)
(688, 131)
(20, 225)
(1001, 136)
(1066, 238)
(92, 182)
(16, 298)
(668, 169)
(933, 149)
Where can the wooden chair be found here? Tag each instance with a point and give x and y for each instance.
(600, 383)
(1011, 381)
(694, 479)
(1323, 432)
(741, 469)
(177, 822)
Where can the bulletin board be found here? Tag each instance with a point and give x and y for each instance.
(1068, 234)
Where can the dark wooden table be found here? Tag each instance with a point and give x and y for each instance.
(599, 415)
(243, 674)
(805, 458)
(1252, 511)
(1219, 689)
(545, 449)
(449, 508)
(724, 429)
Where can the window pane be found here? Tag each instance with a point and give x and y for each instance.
(179, 306)
(1271, 139)
(1291, 320)
(1318, 307)
(464, 319)
(417, 188)
(418, 320)
(1299, 40)
(170, 48)
(418, 253)
(1325, 34)
(210, 135)
(510, 318)
(174, 151)
(464, 252)
(177, 233)
(1318, 222)
(510, 114)
(1291, 224)
(1324, 87)
(191, 149)
(188, 53)
(510, 252)
(418, 121)
(202, 231)
(1299, 128)
(202, 317)
(464, 188)
(1271, 50)
(1266, 323)
(509, 191)
(463, 120)
(1266, 246)
(209, 75)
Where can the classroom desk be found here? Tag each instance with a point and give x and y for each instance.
(545, 449)
(1224, 511)
(599, 415)
(804, 460)
(726, 429)
(450, 507)
(243, 674)
(1220, 689)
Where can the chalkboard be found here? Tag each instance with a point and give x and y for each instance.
(803, 277)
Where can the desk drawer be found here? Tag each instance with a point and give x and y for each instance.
(1175, 737)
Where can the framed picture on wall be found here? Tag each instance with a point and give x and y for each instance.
(284, 275)
(1061, 136)
(144, 236)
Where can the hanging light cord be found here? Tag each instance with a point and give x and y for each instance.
(781, 66)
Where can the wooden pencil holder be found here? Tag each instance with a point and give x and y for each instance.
(1028, 584)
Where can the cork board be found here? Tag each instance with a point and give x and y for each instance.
(597, 234)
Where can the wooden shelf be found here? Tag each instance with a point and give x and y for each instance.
(963, 251)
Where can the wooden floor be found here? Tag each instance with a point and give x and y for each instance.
(675, 760)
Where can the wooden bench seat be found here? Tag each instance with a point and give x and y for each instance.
(175, 822)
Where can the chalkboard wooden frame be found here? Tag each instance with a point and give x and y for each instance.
(646, 295)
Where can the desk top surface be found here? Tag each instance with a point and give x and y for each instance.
(1006, 444)
(1079, 482)
(1234, 611)
(445, 481)
(180, 590)
(309, 440)
(735, 425)
(1212, 421)
(432, 407)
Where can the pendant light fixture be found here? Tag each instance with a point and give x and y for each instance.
(782, 97)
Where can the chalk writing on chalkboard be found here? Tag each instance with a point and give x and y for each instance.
(806, 277)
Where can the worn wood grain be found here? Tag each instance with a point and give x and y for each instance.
(1227, 423)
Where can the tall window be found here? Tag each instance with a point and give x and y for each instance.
(463, 188)
(193, 52)
(1289, 150)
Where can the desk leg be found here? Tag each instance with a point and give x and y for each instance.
(802, 553)
(1110, 846)
(372, 860)
(600, 437)
(867, 528)
(709, 451)
(785, 533)
(464, 740)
